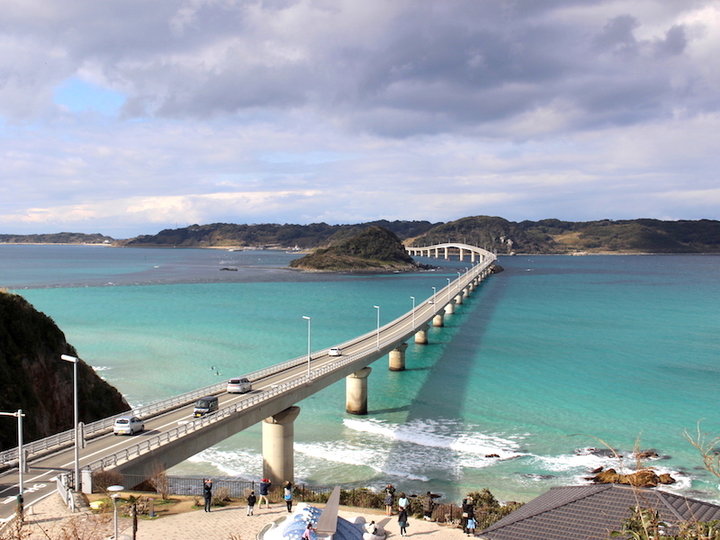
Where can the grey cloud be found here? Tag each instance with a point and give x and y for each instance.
(409, 68)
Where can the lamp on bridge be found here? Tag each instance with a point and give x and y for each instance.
(458, 282)
(434, 291)
(377, 332)
(74, 360)
(308, 319)
(413, 311)
(448, 287)
(21, 453)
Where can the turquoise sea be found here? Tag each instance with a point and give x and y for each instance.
(547, 365)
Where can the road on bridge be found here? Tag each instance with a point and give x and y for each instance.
(40, 480)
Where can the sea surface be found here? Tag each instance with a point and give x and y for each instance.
(549, 365)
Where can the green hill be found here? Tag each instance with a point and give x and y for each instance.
(371, 250)
(552, 236)
(34, 378)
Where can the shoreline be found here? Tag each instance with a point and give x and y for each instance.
(309, 250)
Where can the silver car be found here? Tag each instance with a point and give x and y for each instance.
(239, 386)
(128, 425)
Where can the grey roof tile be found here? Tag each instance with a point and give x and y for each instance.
(591, 512)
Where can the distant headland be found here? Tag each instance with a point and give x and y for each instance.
(548, 236)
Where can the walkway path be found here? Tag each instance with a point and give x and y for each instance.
(220, 524)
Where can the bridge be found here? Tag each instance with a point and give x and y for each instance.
(172, 435)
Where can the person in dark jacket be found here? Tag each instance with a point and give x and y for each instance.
(207, 493)
(403, 521)
(264, 491)
(251, 499)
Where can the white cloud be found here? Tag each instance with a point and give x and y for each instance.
(338, 110)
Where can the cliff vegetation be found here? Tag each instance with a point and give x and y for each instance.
(374, 249)
(34, 378)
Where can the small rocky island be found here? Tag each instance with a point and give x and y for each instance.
(373, 250)
(34, 378)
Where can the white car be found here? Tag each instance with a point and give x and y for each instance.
(239, 386)
(128, 425)
(334, 351)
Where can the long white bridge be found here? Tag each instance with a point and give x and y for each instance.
(171, 434)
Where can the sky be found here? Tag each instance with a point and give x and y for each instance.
(126, 117)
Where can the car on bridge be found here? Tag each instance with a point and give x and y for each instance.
(128, 425)
(240, 385)
(205, 405)
(334, 351)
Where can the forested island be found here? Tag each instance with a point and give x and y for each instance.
(548, 236)
(374, 249)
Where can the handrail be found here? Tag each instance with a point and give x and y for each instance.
(100, 426)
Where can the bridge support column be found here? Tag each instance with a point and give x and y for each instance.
(450, 308)
(421, 335)
(459, 298)
(466, 292)
(438, 320)
(396, 358)
(446, 253)
(356, 391)
(278, 434)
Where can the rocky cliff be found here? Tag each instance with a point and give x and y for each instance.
(34, 378)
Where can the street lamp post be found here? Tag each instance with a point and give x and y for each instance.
(114, 496)
(448, 287)
(413, 311)
(308, 319)
(377, 332)
(458, 281)
(21, 453)
(434, 291)
(74, 361)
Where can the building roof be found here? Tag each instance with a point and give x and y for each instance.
(591, 512)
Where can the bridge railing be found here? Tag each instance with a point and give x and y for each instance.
(66, 438)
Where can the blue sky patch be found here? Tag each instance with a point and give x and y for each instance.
(80, 96)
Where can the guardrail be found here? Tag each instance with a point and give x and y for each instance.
(100, 426)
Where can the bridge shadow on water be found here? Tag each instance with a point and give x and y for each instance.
(467, 326)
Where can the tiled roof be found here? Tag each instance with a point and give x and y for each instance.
(591, 512)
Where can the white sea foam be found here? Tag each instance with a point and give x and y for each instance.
(101, 368)
(232, 463)
(444, 435)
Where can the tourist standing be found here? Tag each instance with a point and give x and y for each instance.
(403, 502)
(251, 499)
(264, 491)
(428, 505)
(403, 521)
(207, 493)
(389, 499)
(468, 513)
(288, 495)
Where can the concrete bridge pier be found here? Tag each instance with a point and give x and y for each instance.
(450, 308)
(438, 320)
(356, 391)
(466, 292)
(421, 335)
(396, 358)
(459, 298)
(278, 434)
